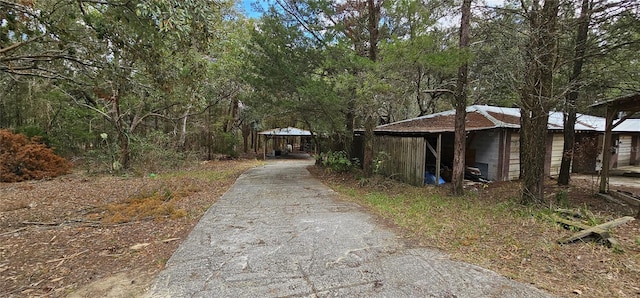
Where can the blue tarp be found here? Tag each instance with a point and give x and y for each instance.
(431, 179)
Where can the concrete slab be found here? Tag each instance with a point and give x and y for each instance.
(628, 171)
(278, 232)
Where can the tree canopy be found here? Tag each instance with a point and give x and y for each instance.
(198, 77)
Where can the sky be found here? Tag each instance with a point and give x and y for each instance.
(247, 6)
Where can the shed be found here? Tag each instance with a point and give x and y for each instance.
(493, 142)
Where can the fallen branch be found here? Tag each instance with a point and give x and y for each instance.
(72, 221)
(170, 240)
(602, 230)
(67, 257)
(37, 223)
(611, 199)
(629, 198)
(14, 231)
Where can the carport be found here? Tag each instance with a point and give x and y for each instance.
(617, 111)
(285, 139)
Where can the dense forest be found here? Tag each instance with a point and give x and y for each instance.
(116, 83)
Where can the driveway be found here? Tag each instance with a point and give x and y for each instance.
(278, 232)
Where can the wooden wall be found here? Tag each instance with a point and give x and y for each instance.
(556, 147)
(406, 158)
(624, 150)
(635, 150)
(514, 157)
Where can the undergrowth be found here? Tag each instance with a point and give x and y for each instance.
(150, 204)
(490, 228)
(23, 158)
(337, 161)
(160, 197)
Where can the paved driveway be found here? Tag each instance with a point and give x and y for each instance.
(278, 232)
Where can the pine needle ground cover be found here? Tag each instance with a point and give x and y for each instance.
(113, 233)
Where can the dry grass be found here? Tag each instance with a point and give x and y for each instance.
(488, 227)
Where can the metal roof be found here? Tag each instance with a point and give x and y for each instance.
(286, 132)
(629, 102)
(481, 117)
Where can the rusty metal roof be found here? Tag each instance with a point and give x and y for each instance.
(480, 117)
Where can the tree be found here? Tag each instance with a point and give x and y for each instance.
(346, 37)
(537, 97)
(418, 62)
(460, 104)
(287, 71)
(496, 72)
(131, 62)
(570, 108)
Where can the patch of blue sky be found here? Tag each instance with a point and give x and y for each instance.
(254, 8)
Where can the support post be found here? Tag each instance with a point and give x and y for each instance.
(438, 158)
(606, 150)
(264, 148)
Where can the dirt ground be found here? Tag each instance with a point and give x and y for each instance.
(77, 235)
(72, 234)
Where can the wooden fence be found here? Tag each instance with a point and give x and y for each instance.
(403, 158)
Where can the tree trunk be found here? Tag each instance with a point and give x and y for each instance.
(537, 99)
(125, 154)
(572, 96)
(533, 152)
(246, 132)
(370, 122)
(123, 138)
(209, 141)
(457, 177)
(367, 159)
(350, 125)
(183, 130)
(374, 32)
(233, 115)
(569, 139)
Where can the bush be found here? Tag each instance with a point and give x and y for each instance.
(156, 152)
(337, 161)
(225, 143)
(23, 158)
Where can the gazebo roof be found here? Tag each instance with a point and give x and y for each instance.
(286, 132)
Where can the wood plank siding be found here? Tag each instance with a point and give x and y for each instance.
(624, 150)
(635, 147)
(406, 157)
(557, 146)
(514, 157)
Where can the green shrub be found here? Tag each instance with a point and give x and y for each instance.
(379, 162)
(225, 143)
(32, 131)
(337, 161)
